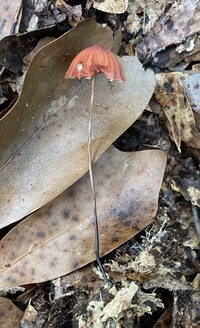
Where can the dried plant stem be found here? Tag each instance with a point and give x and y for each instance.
(92, 181)
(196, 219)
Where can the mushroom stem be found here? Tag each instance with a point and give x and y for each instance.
(93, 80)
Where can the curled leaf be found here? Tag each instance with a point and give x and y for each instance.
(179, 115)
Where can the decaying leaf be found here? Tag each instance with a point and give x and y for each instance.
(144, 263)
(185, 312)
(165, 320)
(111, 6)
(14, 48)
(10, 13)
(85, 276)
(10, 314)
(44, 138)
(179, 22)
(74, 13)
(127, 298)
(186, 309)
(189, 189)
(151, 11)
(121, 302)
(171, 96)
(168, 282)
(29, 316)
(192, 87)
(145, 303)
(59, 238)
(184, 58)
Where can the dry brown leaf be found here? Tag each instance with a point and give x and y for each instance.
(43, 42)
(29, 317)
(165, 320)
(180, 118)
(111, 6)
(59, 238)
(10, 11)
(44, 138)
(14, 48)
(179, 22)
(6, 110)
(74, 13)
(10, 315)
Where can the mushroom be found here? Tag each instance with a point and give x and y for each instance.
(92, 60)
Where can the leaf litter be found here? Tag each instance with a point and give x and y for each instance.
(165, 253)
(171, 28)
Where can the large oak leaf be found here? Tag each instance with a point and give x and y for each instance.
(59, 238)
(43, 141)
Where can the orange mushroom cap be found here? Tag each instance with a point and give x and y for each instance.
(96, 59)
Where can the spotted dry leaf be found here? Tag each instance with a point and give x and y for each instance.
(59, 238)
(44, 138)
(10, 314)
(180, 121)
